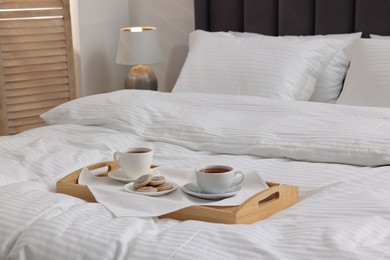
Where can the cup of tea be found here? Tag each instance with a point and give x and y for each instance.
(217, 179)
(134, 162)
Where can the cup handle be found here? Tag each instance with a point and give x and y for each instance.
(116, 158)
(239, 181)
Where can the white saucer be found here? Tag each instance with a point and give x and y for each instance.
(193, 190)
(119, 176)
(130, 188)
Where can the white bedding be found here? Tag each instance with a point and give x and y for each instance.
(343, 212)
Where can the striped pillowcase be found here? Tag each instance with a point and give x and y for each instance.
(258, 66)
(330, 82)
(368, 78)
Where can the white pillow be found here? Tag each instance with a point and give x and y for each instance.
(374, 36)
(368, 78)
(260, 66)
(330, 82)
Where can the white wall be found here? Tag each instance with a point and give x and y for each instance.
(96, 25)
(174, 20)
(95, 41)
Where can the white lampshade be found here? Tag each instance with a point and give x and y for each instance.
(138, 45)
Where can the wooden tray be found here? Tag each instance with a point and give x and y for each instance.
(258, 207)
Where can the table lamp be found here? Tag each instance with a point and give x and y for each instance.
(139, 46)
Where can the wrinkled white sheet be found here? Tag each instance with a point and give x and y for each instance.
(343, 212)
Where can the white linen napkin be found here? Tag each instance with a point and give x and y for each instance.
(114, 197)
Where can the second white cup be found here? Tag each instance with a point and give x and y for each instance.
(134, 162)
(217, 179)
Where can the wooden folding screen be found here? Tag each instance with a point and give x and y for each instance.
(36, 61)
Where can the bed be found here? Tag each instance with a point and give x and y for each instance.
(337, 154)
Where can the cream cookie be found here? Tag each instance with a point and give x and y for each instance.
(165, 186)
(157, 180)
(143, 180)
(147, 189)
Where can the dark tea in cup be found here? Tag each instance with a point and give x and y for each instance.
(215, 170)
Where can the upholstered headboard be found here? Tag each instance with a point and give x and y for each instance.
(294, 17)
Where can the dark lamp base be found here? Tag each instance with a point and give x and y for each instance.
(141, 77)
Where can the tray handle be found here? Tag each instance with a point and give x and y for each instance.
(267, 202)
(111, 165)
(262, 198)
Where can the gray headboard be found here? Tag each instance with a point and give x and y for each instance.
(294, 17)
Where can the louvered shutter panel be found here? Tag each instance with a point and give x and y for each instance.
(36, 61)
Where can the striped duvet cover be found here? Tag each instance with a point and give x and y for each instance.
(337, 155)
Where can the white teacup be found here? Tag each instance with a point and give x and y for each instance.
(134, 162)
(217, 179)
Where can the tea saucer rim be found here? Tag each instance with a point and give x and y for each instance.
(233, 191)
